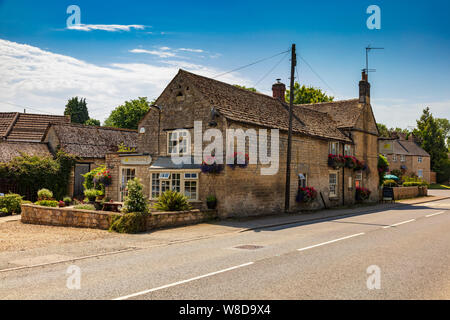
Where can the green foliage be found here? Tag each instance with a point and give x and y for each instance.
(211, 198)
(383, 167)
(432, 140)
(36, 172)
(77, 110)
(89, 207)
(135, 201)
(383, 130)
(389, 183)
(398, 173)
(245, 88)
(172, 201)
(132, 222)
(89, 178)
(47, 203)
(91, 194)
(45, 194)
(306, 95)
(124, 149)
(3, 211)
(67, 200)
(92, 122)
(128, 115)
(10, 203)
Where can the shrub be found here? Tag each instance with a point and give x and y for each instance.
(67, 201)
(11, 203)
(91, 194)
(135, 201)
(89, 207)
(389, 183)
(3, 211)
(45, 194)
(132, 222)
(47, 203)
(383, 167)
(415, 184)
(172, 201)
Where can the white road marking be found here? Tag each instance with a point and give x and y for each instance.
(183, 281)
(434, 214)
(400, 223)
(332, 241)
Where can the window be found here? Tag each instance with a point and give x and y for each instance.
(358, 179)
(126, 175)
(402, 158)
(420, 173)
(333, 180)
(419, 159)
(183, 182)
(394, 157)
(302, 180)
(348, 150)
(178, 142)
(334, 148)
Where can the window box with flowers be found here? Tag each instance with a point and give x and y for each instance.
(306, 195)
(336, 161)
(211, 166)
(236, 163)
(362, 194)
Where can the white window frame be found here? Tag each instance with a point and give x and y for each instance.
(419, 159)
(420, 173)
(336, 184)
(179, 133)
(358, 177)
(303, 183)
(394, 157)
(348, 150)
(122, 192)
(333, 145)
(170, 180)
(402, 158)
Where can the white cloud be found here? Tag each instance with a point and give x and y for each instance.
(191, 50)
(106, 27)
(45, 80)
(162, 54)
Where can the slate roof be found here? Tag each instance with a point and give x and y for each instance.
(26, 126)
(10, 150)
(406, 147)
(91, 141)
(255, 108)
(167, 163)
(345, 112)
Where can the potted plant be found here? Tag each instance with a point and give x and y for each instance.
(61, 204)
(362, 194)
(211, 202)
(211, 166)
(306, 195)
(336, 161)
(91, 194)
(67, 201)
(236, 160)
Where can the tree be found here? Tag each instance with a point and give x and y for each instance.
(92, 122)
(128, 115)
(444, 124)
(305, 95)
(77, 110)
(384, 131)
(432, 140)
(244, 87)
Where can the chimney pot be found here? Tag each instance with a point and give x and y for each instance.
(279, 90)
(364, 89)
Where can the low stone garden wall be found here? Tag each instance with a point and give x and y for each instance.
(69, 217)
(407, 192)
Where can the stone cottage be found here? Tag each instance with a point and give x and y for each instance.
(90, 144)
(404, 154)
(342, 127)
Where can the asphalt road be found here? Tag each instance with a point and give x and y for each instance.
(408, 245)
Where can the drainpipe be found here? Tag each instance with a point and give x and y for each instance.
(343, 186)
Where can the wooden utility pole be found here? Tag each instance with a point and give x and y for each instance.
(289, 146)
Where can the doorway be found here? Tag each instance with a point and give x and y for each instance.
(80, 169)
(126, 174)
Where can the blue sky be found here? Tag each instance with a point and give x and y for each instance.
(43, 63)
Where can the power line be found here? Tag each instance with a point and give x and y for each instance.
(24, 107)
(317, 75)
(273, 68)
(250, 64)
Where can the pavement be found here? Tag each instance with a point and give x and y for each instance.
(266, 258)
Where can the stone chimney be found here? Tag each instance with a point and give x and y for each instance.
(364, 89)
(279, 90)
